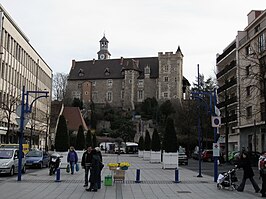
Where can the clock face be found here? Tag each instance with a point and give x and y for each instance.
(102, 56)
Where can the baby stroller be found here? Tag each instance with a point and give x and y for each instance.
(227, 179)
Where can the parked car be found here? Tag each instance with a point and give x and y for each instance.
(207, 155)
(9, 161)
(182, 158)
(254, 157)
(37, 158)
(195, 155)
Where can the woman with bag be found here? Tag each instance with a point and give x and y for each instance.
(72, 158)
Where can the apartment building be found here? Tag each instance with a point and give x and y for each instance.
(242, 86)
(21, 65)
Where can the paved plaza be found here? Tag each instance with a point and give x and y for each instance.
(155, 183)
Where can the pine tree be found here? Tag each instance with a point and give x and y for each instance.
(141, 143)
(80, 142)
(155, 142)
(147, 141)
(62, 136)
(170, 139)
(88, 139)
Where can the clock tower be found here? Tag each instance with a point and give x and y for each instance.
(104, 53)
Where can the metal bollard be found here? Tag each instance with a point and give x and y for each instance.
(57, 177)
(138, 176)
(177, 176)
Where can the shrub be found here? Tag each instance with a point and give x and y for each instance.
(155, 142)
(170, 139)
(147, 141)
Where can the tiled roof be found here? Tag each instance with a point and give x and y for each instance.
(95, 69)
(74, 118)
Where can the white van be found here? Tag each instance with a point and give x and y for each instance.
(9, 161)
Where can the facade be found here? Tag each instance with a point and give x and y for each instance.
(124, 82)
(21, 65)
(241, 81)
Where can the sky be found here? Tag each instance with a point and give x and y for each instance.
(63, 30)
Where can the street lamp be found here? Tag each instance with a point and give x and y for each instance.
(26, 108)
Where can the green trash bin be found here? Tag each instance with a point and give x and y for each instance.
(108, 180)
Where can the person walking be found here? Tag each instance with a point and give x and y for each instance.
(262, 169)
(98, 151)
(95, 171)
(245, 163)
(72, 158)
(86, 162)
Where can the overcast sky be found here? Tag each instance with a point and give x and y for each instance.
(62, 30)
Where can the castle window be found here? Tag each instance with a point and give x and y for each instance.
(122, 94)
(81, 73)
(165, 95)
(109, 96)
(140, 95)
(166, 68)
(94, 96)
(109, 82)
(141, 83)
(147, 70)
(86, 93)
(93, 83)
(107, 72)
(166, 79)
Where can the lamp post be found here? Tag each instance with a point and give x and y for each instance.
(26, 108)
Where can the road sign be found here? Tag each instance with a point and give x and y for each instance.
(216, 149)
(216, 121)
(26, 120)
(18, 110)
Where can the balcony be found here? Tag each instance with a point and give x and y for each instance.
(230, 118)
(226, 52)
(227, 85)
(226, 68)
(227, 102)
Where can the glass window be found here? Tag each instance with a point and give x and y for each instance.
(249, 111)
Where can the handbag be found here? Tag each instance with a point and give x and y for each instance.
(68, 168)
(77, 167)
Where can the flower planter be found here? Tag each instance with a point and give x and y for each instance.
(124, 168)
(146, 155)
(140, 154)
(170, 160)
(155, 157)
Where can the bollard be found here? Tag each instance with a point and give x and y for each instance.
(138, 176)
(57, 177)
(177, 176)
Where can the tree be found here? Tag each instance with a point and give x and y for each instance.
(170, 139)
(149, 108)
(147, 141)
(80, 142)
(88, 138)
(156, 141)
(203, 86)
(94, 140)
(166, 109)
(62, 136)
(8, 108)
(141, 143)
(59, 86)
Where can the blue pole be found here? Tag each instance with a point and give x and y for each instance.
(214, 136)
(21, 134)
(57, 177)
(177, 176)
(138, 176)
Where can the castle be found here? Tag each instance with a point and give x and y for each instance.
(124, 82)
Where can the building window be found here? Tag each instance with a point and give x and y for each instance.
(109, 82)
(130, 81)
(81, 73)
(166, 68)
(141, 83)
(109, 96)
(93, 83)
(248, 88)
(165, 95)
(94, 96)
(140, 95)
(86, 93)
(249, 111)
(247, 70)
(147, 70)
(122, 94)
(107, 72)
(166, 79)
(257, 28)
(248, 50)
(261, 42)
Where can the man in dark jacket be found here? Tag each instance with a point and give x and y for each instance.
(245, 163)
(95, 171)
(72, 158)
(86, 163)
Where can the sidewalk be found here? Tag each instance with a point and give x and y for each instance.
(155, 183)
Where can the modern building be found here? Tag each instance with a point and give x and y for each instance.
(21, 65)
(241, 81)
(124, 82)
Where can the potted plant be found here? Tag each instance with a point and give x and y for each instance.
(141, 147)
(155, 147)
(147, 146)
(170, 155)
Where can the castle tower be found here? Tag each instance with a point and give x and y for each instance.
(104, 53)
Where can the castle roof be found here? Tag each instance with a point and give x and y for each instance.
(96, 69)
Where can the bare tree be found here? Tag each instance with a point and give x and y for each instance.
(8, 109)
(59, 86)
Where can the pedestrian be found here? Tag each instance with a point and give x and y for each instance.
(95, 171)
(262, 169)
(86, 164)
(72, 158)
(98, 151)
(245, 163)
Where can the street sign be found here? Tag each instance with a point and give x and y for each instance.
(18, 110)
(216, 149)
(26, 120)
(216, 121)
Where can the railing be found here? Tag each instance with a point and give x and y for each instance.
(227, 102)
(227, 85)
(230, 118)
(226, 68)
